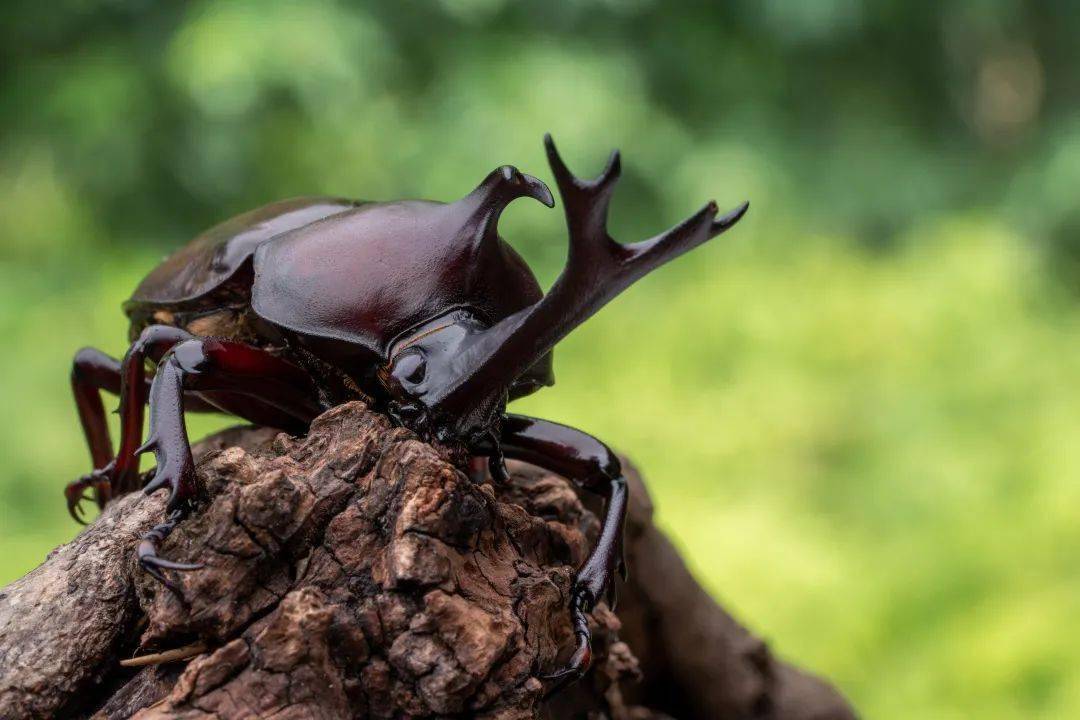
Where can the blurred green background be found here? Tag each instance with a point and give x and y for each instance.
(858, 412)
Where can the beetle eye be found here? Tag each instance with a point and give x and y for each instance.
(411, 367)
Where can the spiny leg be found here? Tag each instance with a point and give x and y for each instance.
(198, 365)
(91, 372)
(152, 344)
(592, 465)
(94, 371)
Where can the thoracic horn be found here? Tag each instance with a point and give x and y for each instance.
(502, 186)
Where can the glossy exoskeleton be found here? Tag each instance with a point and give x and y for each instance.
(418, 307)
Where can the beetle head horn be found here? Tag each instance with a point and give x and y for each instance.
(597, 269)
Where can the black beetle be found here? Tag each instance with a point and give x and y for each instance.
(418, 307)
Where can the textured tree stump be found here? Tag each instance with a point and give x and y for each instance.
(358, 573)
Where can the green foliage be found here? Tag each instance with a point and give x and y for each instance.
(857, 412)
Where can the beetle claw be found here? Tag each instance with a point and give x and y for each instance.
(581, 660)
(75, 494)
(151, 569)
(100, 481)
(151, 562)
(588, 588)
(74, 505)
(149, 558)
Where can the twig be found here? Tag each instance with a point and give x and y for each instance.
(180, 653)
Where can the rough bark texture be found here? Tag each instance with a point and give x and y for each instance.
(357, 573)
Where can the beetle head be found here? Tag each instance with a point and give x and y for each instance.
(422, 362)
(452, 376)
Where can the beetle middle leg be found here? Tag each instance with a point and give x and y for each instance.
(585, 460)
(92, 372)
(208, 365)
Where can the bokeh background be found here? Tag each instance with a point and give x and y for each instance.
(858, 412)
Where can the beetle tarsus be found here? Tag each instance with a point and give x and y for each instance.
(99, 481)
(581, 660)
(177, 478)
(147, 551)
(75, 494)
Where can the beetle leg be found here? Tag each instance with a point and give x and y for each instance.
(147, 550)
(91, 372)
(152, 344)
(497, 461)
(592, 465)
(207, 364)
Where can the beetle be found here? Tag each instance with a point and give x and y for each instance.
(418, 307)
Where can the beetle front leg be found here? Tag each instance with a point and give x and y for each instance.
(152, 344)
(591, 464)
(94, 371)
(207, 364)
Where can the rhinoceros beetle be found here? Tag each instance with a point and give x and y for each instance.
(418, 307)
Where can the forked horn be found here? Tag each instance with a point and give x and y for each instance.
(597, 269)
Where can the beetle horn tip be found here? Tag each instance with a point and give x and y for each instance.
(721, 224)
(542, 192)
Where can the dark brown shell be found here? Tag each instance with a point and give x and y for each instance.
(366, 276)
(211, 259)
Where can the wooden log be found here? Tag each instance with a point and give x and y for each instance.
(359, 573)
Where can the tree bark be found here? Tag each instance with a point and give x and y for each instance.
(358, 573)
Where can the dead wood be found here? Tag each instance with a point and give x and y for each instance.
(358, 573)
